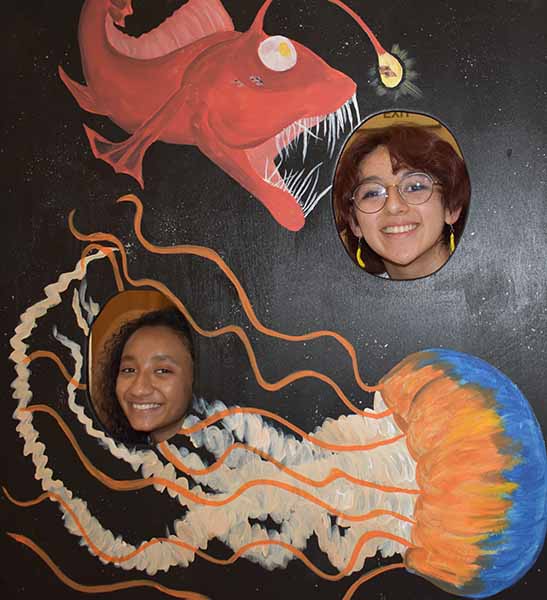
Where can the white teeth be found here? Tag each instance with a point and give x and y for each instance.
(145, 406)
(399, 228)
(356, 107)
(306, 182)
(300, 185)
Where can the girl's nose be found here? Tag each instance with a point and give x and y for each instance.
(141, 385)
(395, 203)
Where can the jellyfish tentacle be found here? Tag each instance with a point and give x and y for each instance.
(214, 257)
(101, 589)
(234, 329)
(56, 359)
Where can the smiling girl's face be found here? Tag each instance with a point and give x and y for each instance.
(154, 383)
(408, 238)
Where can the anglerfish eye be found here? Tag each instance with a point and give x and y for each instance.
(277, 53)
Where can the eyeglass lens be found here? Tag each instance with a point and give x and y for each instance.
(415, 188)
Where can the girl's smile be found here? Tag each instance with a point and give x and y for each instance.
(154, 383)
(408, 237)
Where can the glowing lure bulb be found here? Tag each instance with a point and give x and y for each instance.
(390, 69)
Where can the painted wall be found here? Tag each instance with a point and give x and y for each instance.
(479, 71)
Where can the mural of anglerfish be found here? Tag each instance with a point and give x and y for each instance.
(246, 100)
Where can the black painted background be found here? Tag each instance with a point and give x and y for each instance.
(482, 72)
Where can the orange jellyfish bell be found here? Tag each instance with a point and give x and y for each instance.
(482, 468)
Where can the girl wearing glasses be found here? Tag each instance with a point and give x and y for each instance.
(401, 195)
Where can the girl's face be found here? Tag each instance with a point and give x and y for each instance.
(407, 237)
(154, 383)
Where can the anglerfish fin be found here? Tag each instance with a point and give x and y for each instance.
(83, 95)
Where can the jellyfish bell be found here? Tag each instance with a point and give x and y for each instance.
(481, 467)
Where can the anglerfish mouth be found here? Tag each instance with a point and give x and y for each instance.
(302, 183)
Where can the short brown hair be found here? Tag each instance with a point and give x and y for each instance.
(409, 146)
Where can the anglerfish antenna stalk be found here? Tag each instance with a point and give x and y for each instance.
(390, 67)
(258, 22)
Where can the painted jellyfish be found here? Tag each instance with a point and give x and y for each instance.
(448, 471)
(473, 516)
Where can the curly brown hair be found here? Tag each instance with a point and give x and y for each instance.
(113, 417)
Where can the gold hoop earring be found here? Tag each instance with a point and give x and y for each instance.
(452, 241)
(358, 255)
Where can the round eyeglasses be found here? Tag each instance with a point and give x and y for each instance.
(414, 188)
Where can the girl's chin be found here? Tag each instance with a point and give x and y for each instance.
(433, 257)
(146, 425)
(398, 260)
(142, 428)
(412, 269)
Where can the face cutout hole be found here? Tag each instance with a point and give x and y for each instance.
(401, 195)
(141, 373)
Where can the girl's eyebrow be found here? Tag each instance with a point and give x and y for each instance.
(166, 357)
(375, 178)
(370, 178)
(155, 357)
